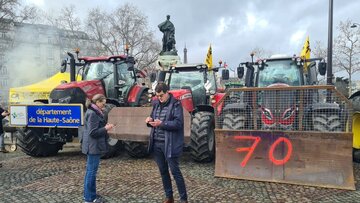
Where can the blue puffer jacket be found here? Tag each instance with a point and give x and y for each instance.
(94, 135)
(173, 125)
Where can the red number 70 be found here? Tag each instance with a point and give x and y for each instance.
(251, 149)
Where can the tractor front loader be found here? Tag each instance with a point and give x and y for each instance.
(195, 86)
(285, 127)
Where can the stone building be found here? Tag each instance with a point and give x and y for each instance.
(32, 52)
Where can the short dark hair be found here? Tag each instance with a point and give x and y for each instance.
(161, 87)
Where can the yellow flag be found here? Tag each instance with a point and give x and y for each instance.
(208, 60)
(305, 52)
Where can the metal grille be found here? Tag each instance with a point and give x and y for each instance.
(306, 108)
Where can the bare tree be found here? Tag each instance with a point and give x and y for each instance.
(319, 51)
(126, 25)
(260, 53)
(347, 49)
(99, 30)
(11, 11)
(74, 35)
(66, 19)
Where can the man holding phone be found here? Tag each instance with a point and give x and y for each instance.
(167, 140)
(3, 114)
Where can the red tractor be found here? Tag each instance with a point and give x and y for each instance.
(113, 76)
(195, 85)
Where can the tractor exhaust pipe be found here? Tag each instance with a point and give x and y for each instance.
(72, 67)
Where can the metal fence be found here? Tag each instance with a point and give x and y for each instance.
(305, 108)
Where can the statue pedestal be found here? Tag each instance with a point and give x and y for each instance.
(165, 61)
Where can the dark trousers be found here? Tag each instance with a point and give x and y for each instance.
(164, 163)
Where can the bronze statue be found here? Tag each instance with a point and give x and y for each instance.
(168, 29)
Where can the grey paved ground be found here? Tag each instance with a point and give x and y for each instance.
(123, 179)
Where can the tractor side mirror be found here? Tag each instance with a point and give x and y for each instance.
(240, 71)
(63, 66)
(322, 68)
(225, 74)
(152, 77)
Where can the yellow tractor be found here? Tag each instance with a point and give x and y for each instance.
(355, 100)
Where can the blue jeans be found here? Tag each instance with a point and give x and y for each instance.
(92, 165)
(164, 163)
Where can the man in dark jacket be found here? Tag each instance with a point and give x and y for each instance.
(3, 114)
(167, 139)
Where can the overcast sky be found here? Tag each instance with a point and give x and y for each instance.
(233, 27)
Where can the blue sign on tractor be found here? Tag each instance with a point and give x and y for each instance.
(48, 115)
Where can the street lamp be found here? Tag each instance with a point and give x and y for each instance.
(330, 43)
(354, 25)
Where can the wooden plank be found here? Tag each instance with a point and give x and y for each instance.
(304, 158)
(130, 124)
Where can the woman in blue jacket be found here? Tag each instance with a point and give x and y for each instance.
(94, 144)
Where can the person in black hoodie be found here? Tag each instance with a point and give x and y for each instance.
(94, 144)
(3, 114)
(167, 140)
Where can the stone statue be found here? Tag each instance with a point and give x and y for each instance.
(168, 29)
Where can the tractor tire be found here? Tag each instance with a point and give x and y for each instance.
(144, 99)
(30, 142)
(115, 145)
(356, 155)
(325, 122)
(202, 137)
(136, 149)
(234, 121)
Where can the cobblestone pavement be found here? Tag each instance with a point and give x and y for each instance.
(123, 179)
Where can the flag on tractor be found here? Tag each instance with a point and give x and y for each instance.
(208, 60)
(305, 52)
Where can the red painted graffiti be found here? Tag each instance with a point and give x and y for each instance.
(249, 149)
(274, 145)
(256, 140)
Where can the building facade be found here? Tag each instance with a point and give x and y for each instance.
(32, 52)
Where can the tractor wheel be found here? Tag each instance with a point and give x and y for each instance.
(356, 155)
(234, 121)
(30, 142)
(202, 143)
(144, 99)
(114, 144)
(325, 122)
(136, 149)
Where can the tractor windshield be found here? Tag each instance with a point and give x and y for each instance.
(126, 76)
(282, 71)
(98, 70)
(193, 79)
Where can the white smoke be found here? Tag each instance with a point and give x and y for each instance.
(27, 62)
